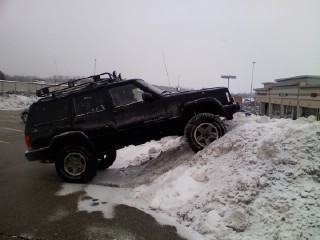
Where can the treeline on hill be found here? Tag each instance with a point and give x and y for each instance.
(52, 79)
(60, 78)
(2, 76)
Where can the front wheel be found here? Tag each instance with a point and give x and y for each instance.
(76, 164)
(203, 129)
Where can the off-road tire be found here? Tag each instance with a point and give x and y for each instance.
(76, 164)
(107, 160)
(203, 129)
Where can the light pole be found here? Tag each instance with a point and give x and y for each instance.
(95, 64)
(251, 82)
(228, 77)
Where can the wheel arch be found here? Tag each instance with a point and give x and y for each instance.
(73, 137)
(203, 105)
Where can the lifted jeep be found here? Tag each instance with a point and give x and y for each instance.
(80, 126)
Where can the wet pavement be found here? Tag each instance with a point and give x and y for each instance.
(29, 208)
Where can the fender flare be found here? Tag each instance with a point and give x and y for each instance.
(80, 137)
(213, 102)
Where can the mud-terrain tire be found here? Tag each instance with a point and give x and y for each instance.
(203, 129)
(107, 160)
(76, 164)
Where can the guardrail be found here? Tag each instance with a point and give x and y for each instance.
(22, 87)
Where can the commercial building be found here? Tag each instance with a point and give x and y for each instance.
(289, 97)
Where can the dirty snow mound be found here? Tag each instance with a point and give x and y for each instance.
(260, 181)
(137, 155)
(15, 102)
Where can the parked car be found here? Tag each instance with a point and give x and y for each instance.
(24, 114)
(247, 113)
(80, 127)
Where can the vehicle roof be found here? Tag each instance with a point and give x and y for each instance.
(86, 87)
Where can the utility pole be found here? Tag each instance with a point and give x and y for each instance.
(252, 82)
(55, 76)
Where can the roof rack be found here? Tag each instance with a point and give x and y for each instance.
(72, 85)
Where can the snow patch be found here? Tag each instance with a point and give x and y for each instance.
(15, 102)
(259, 181)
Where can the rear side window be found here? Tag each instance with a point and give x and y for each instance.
(46, 112)
(89, 102)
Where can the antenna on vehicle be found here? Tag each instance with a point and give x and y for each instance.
(164, 61)
(56, 68)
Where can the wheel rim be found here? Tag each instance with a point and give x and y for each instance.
(205, 133)
(75, 164)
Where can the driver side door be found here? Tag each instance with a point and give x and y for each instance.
(136, 119)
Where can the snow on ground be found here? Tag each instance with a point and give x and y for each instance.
(15, 102)
(259, 181)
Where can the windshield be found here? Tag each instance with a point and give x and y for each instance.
(153, 88)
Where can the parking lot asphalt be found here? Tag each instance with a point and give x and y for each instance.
(29, 208)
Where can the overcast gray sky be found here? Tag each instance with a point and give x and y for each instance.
(200, 39)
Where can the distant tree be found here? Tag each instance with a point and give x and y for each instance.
(2, 76)
(8, 77)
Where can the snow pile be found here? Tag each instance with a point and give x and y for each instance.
(137, 155)
(259, 181)
(15, 102)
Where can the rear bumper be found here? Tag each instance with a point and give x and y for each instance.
(229, 110)
(39, 154)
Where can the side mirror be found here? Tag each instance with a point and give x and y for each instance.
(147, 97)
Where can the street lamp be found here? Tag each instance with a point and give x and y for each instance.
(228, 77)
(252, 81)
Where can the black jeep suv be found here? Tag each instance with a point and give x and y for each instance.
(80, 124)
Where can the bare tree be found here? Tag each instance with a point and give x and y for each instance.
(2, 76)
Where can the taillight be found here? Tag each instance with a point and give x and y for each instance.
(28, 142)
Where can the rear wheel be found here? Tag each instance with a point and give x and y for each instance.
(76, 164)
(106, 160)
(203, 129)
